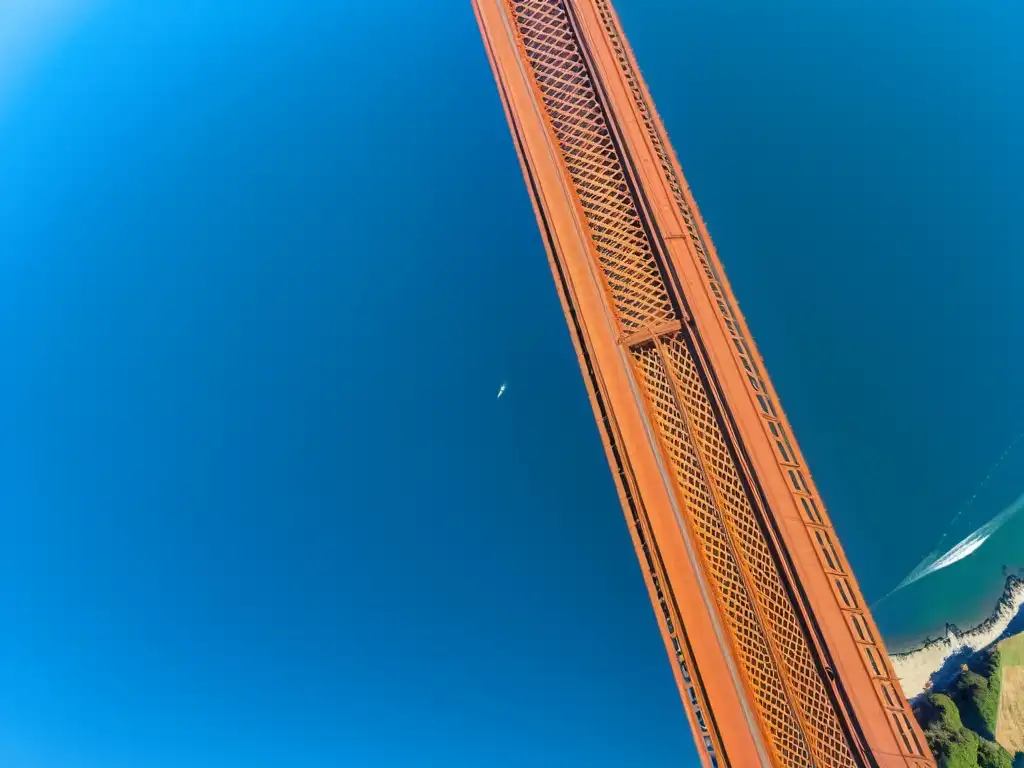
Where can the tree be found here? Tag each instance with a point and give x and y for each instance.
(962, 751)
(953, 745)
(977, 695)
(952, 723)
(991, 755)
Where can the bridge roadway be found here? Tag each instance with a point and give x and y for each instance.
(717, 688)
(579, 287)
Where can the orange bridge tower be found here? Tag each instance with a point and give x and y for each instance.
(777, 659)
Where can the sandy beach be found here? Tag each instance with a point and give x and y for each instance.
(932, 661)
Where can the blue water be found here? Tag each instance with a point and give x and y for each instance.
(859, 166)
(263, 271)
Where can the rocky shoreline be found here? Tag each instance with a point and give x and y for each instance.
(939, 659)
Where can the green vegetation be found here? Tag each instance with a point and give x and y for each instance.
(991, 755)
(977, 695)
(953, 745)
(960, 725)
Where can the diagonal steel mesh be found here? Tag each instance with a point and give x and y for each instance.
(778, 665)
(759, 389)
(821, 726)
(720, 562)
(636, 287)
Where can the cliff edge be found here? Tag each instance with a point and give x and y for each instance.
(938, 661)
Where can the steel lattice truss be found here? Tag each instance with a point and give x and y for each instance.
(775, 653)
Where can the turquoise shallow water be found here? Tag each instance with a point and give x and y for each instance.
(963, 593)
(264, 268)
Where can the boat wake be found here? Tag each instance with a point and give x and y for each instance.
(965, 548)
(934, 561)
(993, 470)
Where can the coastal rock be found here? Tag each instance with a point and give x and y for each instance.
(937, 660)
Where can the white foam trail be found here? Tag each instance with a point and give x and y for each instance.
(931, 562)
(965, 548)
(501, 390)
(981, 486)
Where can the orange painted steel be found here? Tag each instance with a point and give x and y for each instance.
(776, 656)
